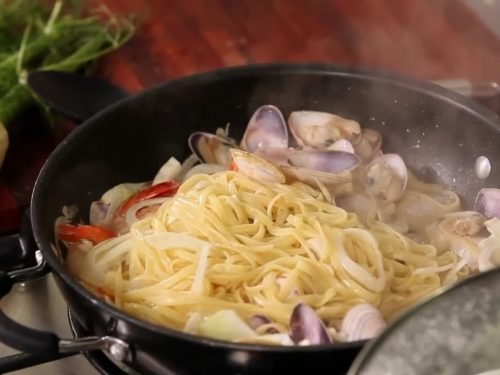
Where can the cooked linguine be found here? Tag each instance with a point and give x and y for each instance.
(227, 241)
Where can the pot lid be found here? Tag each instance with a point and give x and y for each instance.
(456, 331)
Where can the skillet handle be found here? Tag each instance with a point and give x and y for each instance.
(75, 96)
(41, 346)
(18, 250)
(17, 335)
(18, 255)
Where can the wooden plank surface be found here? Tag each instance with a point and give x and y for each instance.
(427, 39)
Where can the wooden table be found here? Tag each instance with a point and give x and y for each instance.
(428, 39)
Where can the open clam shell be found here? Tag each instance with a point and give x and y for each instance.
(330, 161)
(326, 166)
(253, 166)
(342, 145)
(312, 177)
(210, 148)
(386, 177)
(306, 327)
(368, 145)
(266, 129)
(488, 202)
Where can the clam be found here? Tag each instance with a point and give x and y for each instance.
(342, 145)
(211, 148)
(326, 166)
(253, 166)
(306, 327)
(386, 177)
(308, 166)
(454, 231)
(488, 202)
(362, 322)
(324, 160)
(369, 144)
(321, 129)
(312, 177)
(266, 129)
(463, 223)
(276, 155)
(258, 320)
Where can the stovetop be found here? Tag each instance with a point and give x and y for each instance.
(39, 304)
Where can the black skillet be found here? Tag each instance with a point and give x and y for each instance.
(439, 133)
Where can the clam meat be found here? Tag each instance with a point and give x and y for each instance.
(321, 129)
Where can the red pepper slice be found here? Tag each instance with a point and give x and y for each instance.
(75, 233)
(233, 166)
(163, 189)
(103, 292)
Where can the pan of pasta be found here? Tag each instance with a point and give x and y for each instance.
(264, 219)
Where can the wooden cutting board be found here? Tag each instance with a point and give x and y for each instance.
(428, 39)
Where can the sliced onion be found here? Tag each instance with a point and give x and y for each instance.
(361, 275)
(205, 168)
(363, 321)
(433, 269)
(187, 165)
(98, 213)
(102, 211)
(225, 325)
(197, 286)
(317, 247)
(451, 277)
(131, 216)
(60, 220)
(169, 240)
(490, 247)
(193, 322)
(168, 171)
(121, 192)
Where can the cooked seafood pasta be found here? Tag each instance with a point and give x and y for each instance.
(266, 243)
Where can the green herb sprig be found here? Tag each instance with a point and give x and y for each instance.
(36, 37)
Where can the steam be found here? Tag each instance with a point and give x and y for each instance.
(436, 133)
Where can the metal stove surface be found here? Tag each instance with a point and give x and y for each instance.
(39, 304)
